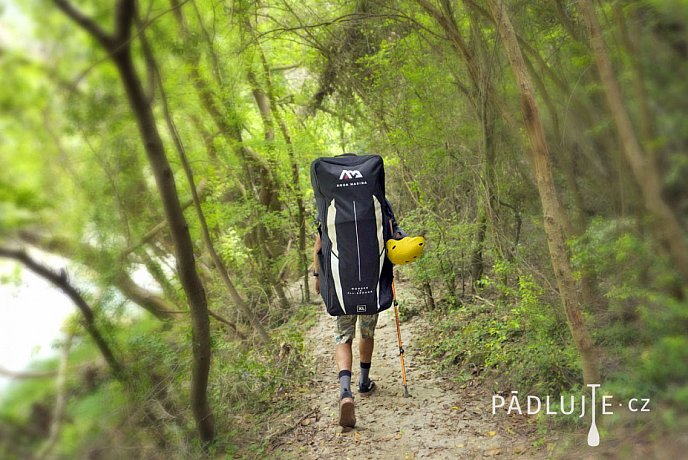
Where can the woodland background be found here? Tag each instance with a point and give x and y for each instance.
(540, 147)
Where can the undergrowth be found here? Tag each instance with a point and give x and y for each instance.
(511, 343)
(513, 335)
(149, 415)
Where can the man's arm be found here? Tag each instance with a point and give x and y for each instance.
(316, 268)
(397, 232)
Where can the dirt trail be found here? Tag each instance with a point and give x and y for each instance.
(439, 420)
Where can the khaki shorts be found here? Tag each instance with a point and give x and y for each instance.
(345, 327)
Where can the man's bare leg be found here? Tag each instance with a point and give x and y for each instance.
(366, 347)
(342, 356)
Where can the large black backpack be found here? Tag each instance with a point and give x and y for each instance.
(355, 219)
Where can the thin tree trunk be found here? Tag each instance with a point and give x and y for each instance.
(59, 409)
(477, 266)
(258, 174)
(427, 293)
(217, 261)
(296, 179)
(118, 45)
(487, 213)
(553, 217)
(646, 174)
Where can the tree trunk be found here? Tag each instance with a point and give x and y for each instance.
(477, 266)
(60, 400)
(179, 229)
(553, 217)
(647, 176)
(118, 45)
(207, 240)
(296, 179)
(258, 175)
(427, 294)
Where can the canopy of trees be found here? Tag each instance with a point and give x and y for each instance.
(540, 147)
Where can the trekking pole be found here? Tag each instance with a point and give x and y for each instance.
(401, 345)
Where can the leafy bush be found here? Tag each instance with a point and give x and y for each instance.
(518, 343)
(642, 332)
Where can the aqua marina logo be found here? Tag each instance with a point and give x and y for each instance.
(568, 406)
(350, 174)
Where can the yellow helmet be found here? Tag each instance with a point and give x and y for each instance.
(405, 250)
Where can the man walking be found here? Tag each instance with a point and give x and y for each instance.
(352, 272)
(345, 332)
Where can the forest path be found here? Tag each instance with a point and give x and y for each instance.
(438, 421)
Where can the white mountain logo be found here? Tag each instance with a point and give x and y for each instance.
(350, 174)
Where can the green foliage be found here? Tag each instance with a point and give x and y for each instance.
(249, 379)
(370, 77)
(93, 414)
(259, 383)
(518, 344)
(447, 252)
(645, 324)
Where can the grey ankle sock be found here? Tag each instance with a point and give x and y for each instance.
(344, 384)
(365, 370)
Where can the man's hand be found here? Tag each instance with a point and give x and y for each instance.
(317, 285)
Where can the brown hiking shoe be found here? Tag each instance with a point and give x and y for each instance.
(347, 416)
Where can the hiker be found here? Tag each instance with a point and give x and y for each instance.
(357, 220)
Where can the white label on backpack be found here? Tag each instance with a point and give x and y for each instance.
(350, 174)
(360, 308)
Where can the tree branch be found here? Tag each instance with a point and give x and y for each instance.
(86, 23)
(61, 281)
(92, 257)
(26, 374)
